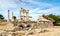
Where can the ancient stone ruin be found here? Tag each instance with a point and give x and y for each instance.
(24, 25)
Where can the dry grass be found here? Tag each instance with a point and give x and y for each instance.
(19, 35)
(56, 26)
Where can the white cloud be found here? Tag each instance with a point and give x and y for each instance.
(50, 10)
(5, 4)
(34, 10)
(54, 10)
(37, 11)
(37, 3)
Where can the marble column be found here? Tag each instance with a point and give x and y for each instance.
(27, 15)
(8, 16)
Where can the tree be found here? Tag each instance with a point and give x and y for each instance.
(1, 17)
(14, 17)
(55, 17)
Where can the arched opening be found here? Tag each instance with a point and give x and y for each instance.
(21, 26)
(28, 26)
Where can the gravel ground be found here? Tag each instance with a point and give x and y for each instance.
(51, 32)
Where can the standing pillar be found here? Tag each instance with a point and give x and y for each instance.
(12, 16)
(24, 11)
(21, 13)
(8, 16)
(27, 15)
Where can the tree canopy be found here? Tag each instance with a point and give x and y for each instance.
(1, 17)
(55, 17)
(14, 17)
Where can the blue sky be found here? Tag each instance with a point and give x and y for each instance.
(36, 7)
